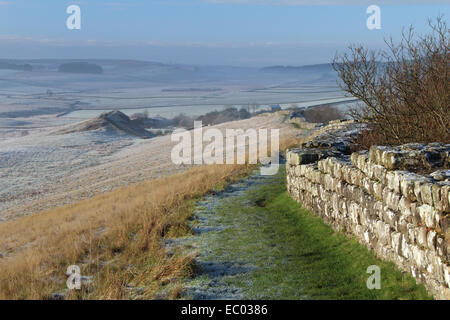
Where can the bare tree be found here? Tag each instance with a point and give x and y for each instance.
(405, 88)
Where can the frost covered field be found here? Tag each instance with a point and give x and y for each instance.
(34, 165)
(136, 85)
(40, 169)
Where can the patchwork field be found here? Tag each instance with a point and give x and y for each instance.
(40, 170)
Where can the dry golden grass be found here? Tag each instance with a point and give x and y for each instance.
(115, 237)
(106, 235)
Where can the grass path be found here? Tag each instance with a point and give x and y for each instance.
(254, 242)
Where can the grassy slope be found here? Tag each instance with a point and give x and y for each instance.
(296, 255)
(114, 237)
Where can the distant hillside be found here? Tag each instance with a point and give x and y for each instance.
(112, 122)
(298, 69)
(80, 67)
(13, 66)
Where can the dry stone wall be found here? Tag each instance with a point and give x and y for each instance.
(380, 197)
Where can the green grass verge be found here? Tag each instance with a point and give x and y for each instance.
(293, 254)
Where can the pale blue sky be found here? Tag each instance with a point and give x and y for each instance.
(232, 32)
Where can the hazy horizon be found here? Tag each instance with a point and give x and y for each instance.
(100, 60)
(204, 32)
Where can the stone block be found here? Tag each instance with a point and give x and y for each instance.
(407, 186)
(426, 191)
(421, 236)
(429, 215)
